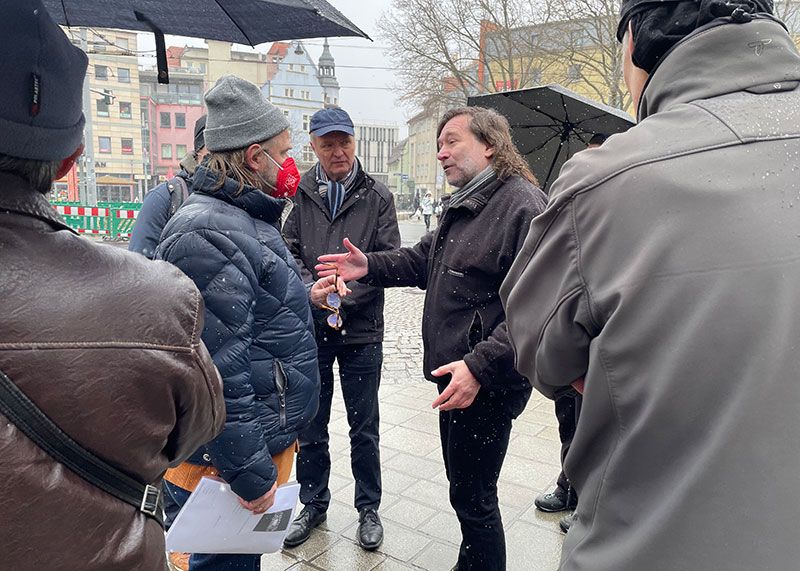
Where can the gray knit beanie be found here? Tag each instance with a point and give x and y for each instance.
(239, 115)
(41, 78)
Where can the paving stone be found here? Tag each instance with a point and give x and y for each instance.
(437, 557)
(392, 415)
(320, 540)
(340, 517)
(416, 466)
(443, 526)
(526, 472)
(398, 541)
(280, 560)
(390, 564)
(409, 513)
(347, 555)
(430, 493)
(535, 448)
(409, 441)
(395, 482)
(530, 544)
(424, 422)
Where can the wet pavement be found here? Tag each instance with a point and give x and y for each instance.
(421, 530)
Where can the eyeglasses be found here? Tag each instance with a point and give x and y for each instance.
(333, 303)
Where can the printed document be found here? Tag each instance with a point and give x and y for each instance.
(212, 521)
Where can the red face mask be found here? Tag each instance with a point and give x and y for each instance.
(288, 178)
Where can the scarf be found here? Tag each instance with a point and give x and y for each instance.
(461, 194)
(334, 192)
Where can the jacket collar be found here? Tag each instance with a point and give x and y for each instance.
(17, 196)
(308, 186)
(479, 198)
(723, 58)
(256, 203)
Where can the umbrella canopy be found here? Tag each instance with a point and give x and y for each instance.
(250, 22)
(549, 124)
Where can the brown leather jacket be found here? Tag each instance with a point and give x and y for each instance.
(107, 344)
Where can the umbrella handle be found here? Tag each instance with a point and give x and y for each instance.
(161, 49)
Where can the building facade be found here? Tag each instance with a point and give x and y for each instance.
(374, 145)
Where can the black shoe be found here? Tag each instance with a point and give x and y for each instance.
(566, 522)
(370, 530)
(557, 501)
(302, 525)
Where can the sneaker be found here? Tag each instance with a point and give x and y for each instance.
(370, 529)
(558, 500)
(566, 522)
(301, 527)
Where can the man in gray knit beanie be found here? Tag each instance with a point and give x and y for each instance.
(238, 115)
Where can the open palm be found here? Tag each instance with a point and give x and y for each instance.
(350, 266)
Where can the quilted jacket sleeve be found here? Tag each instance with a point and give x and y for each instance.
(228, 284)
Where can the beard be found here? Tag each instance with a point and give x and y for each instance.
(463, 172)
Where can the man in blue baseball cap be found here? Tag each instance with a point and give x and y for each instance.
(338, 199)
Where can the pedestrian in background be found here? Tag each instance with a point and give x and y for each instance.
(161, 203)
(104, 342)
(259, 329)
(427, 210)
(467, 353)
(338, 198)
(663, 283)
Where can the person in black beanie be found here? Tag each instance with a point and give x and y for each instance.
(662, 283)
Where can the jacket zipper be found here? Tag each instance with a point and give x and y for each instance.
(280, 383)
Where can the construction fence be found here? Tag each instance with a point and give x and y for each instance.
(107, 220)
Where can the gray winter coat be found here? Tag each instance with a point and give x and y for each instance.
(666, 269)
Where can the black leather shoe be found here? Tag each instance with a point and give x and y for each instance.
(302, 525)
(557, 501)
(566, 522)
(370, 529)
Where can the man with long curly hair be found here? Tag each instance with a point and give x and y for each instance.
(461, 266)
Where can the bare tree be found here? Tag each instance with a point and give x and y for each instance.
(451, 49)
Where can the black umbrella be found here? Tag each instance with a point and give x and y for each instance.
(551, 123)
(250, 22)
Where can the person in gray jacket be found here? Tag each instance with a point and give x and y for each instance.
(663, 282)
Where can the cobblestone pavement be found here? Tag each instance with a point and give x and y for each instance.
(421, 530)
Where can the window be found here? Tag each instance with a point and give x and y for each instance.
(125, 110)
(574, 72)
(180, 120)
(165, 120)
(127, 146)
(291, 67)
(166, 151)
(306, 120)
(105, 145)
(180, 151)
(285, 113)
(100, 72)
(286, 92)
(123, 75)
(122, 43)
(102, 108)
(308, 154)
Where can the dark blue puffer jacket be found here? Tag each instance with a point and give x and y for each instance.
(258, 325)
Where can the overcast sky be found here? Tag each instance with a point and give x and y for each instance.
(367, 93)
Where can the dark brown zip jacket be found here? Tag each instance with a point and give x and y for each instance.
(461, 264)
(107, 344)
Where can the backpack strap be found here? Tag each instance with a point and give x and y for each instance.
(37, 426)
(174, 184)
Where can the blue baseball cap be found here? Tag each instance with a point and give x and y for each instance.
(329, 120)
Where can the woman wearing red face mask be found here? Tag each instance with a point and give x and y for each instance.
(258, 324)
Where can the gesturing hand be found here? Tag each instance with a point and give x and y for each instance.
(323, 286)
(351, 266)
(262, 504)
(462, 389)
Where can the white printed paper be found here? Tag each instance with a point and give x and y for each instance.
(212, 521)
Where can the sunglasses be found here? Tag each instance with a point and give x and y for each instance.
(333, 303)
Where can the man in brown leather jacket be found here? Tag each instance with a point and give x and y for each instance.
(105, 342)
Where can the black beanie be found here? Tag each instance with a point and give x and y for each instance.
(199, 131)
(660, 24)
(41, 85)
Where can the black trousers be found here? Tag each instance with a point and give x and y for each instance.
(360, 376)
(474, 445)
(568, 408)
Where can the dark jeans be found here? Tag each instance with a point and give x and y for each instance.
(427, 218)
(360, 376)
(474, 444)
(210, 561)
(568, 408)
